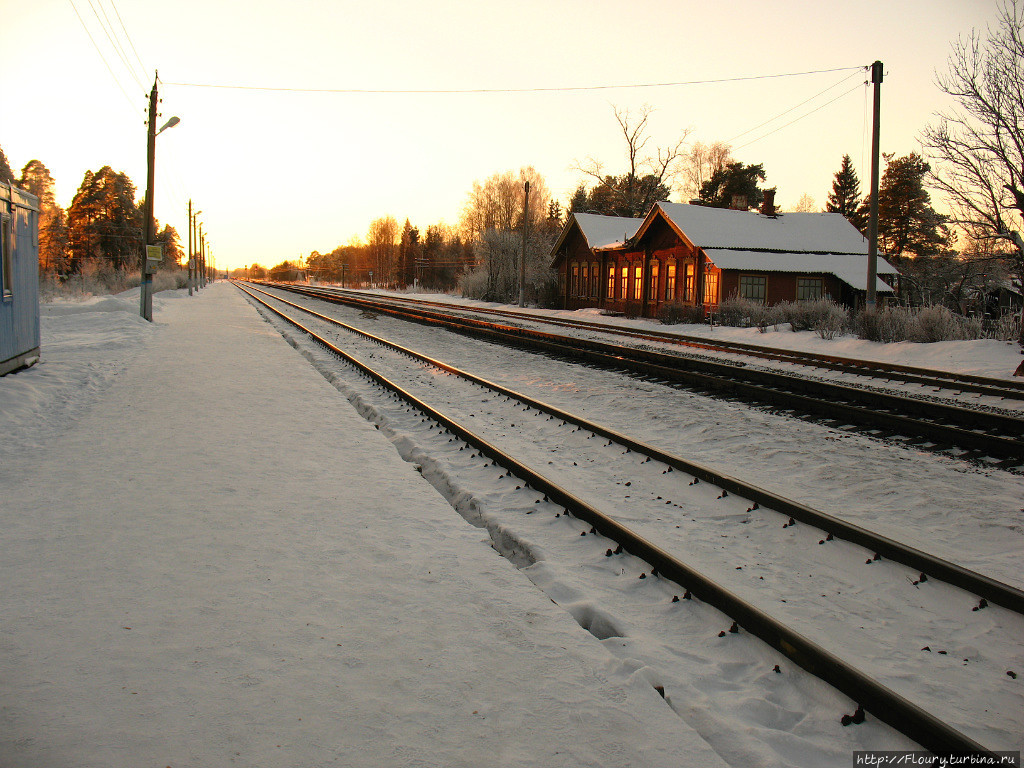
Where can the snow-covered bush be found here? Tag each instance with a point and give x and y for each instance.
(745, 313)
(673, 314)
(1004, 328)
(925, 324)
(888, 324)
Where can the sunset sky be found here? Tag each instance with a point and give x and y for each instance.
(279, 173)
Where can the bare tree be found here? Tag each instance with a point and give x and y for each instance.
(649, 178)
(979, 148)
(701, 163)
(805, 204)
(382, 245)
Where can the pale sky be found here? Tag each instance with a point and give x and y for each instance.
(278, 174)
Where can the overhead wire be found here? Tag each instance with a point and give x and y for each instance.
(117, 81)
(129, 38)
(105, 26)
(791, 109)
(510, 90)
(808, 114)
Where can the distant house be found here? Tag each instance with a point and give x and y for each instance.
(19, 278)
(697, 256)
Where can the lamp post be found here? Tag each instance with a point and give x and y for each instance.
(192, 248)
(146, 285)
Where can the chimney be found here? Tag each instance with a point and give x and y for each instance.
(768, 206)
(739, 203)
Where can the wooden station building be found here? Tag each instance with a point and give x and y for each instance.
(693, 255)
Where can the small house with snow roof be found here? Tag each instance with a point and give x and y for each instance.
(693, 255)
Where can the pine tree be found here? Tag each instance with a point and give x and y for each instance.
(53, 236)
(907, 223)
(6, 174)
(104, 223)
(735, 180)
(846, 197)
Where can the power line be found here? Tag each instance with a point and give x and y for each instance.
(776, 130)
(512, 90)
(128, 38)
(805, 101)
(102, 57)
(113, 43)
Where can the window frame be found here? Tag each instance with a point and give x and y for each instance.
(689, 278)
(712, 287)
(6, 255)
(670, 281)
(753, 288)
(818, 282)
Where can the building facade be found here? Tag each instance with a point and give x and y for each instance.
(19, 278)
(691, 255)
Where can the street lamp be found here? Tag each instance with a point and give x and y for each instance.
(146, 286)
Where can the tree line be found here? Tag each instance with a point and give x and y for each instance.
(975, 159)
(102, 229)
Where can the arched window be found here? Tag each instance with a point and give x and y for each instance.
(584, 279)
(652, 289)
(624, 282)
(688, 283)
(638, 281)
(595, 280)
(611, 282)
(670, 282)
(574, 283)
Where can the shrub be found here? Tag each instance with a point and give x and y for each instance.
(926, 324)
(673, 314)
(1006, 327)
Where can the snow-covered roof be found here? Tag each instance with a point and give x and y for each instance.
(852, 269)
(600, 231)
(789, 232)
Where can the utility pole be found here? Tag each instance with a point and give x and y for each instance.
(146, 284)
(522, 260)
(191, 262)
(876, 78)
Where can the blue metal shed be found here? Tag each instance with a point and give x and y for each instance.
(19, 278)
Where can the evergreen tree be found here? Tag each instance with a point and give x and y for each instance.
(907, 223)
(104, 223)
(36, 178)
(6, 174)
(578, 203)
(173, 252)
(734, 181)
(409, 251)
(846, 197)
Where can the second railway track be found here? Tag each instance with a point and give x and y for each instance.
(989, 437)
(639, 485)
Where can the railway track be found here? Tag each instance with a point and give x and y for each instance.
(985, 436)
(877, 371)
(728, 502)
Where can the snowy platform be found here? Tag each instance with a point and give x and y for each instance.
(209, 559)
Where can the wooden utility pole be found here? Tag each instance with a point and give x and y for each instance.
(191, 263)
(522, 260)
(146, 284)
(876, 78)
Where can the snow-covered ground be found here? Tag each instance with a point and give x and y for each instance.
(209, 559)
(198, 482)
(995, 359)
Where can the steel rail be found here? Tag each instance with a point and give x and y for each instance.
(935, 567)
(882, 702)
(834, 401)
(910, 374)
